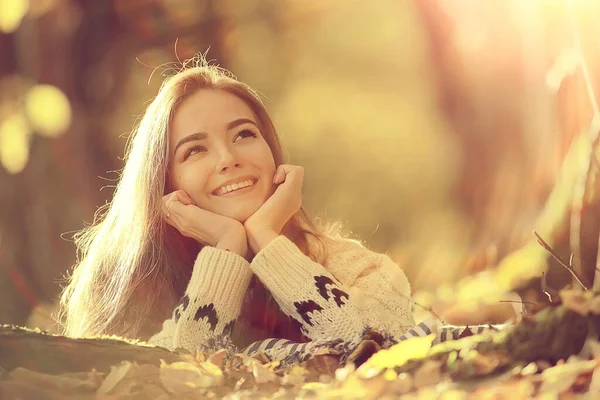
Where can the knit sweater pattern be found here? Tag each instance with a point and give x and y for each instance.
(354, 290)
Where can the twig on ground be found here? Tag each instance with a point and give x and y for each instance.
(560, 261)
(429, 309)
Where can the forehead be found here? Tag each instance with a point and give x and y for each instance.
(208, 111)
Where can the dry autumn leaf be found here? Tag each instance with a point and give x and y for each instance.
(116, 374)
(262, 374)
(398, 354)
(560, 378)
(183, 377)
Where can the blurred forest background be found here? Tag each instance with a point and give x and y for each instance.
(433, 129)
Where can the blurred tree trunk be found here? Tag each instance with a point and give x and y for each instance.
(511, 162)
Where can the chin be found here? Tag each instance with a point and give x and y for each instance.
(241, 215)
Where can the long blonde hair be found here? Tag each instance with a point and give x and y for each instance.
(131, 265)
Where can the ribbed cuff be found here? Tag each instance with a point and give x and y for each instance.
(220, 276)
(284, 269)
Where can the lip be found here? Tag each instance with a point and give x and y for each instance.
(236, 180)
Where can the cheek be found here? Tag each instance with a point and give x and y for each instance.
(192, 179)
(266, 160)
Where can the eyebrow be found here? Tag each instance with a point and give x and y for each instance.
(203, 135)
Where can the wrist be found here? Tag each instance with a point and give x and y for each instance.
(259, 238)
(234, 240)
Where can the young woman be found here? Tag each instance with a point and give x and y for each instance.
(206, 242)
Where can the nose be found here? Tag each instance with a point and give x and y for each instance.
(227, 160)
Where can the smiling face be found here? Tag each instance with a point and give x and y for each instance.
(218, 154)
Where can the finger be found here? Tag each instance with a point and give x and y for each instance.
(166, 214)
(282, 171)
(183, 197)
(178, 196)
(287, 172)
(279, 176)
(169, 206)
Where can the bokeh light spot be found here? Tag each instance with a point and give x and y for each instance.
(37, 8)
(11, 14)
(14, 143)
(48, 109)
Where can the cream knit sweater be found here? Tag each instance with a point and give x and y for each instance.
(355, 289)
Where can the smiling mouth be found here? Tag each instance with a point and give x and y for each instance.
(240, 187)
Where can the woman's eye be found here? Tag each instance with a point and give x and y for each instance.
(245, 133)
(193, 150)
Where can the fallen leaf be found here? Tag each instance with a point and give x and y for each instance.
(430, 373)
(262, 374)
(183, 377)
(324, 364)
(560, 378)
(486, 363)
(404, 383)
(217, 358)
(363, 352)
(295, 376)
(576, 301)
(398, 354)
(116, 374)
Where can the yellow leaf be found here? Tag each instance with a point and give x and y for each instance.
(397, 355)
(314, 386)
(522, 265)
(180, 377)
(482, 287)
(116, 375)
(262, 374)
(211, 368)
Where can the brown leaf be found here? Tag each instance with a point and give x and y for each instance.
(218, 358)
(182, 377)
(486, 363)
(261, 357)
(262, 374)
(117, 374)
(576, 301)
(323, 364)
(430, 373)
(560, 378)
(295, 376)
(363, 352)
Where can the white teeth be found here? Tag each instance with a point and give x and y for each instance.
(230, 188)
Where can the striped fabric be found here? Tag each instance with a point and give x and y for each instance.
(288, 351)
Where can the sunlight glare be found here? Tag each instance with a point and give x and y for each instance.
(48, 109)
(11, 14)
(14, 143)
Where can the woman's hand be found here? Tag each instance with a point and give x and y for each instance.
(268, 221)
(206, 227)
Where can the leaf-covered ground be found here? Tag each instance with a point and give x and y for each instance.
(250, 378)
(548, 362)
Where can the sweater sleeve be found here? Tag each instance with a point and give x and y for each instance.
(212, 302)
(360, 292)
